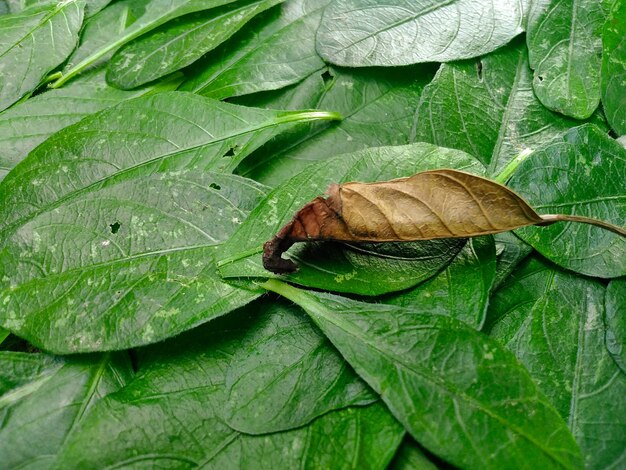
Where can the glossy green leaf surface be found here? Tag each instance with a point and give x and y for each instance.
(437, 376)
(171, 416)
(565, 51)
(510, 251)
(98, 31)
(461, 290)
(125, 264)
(28, 124)
(168, 130)
(285, 374)
(487, 108)
(581, 173)
(278, 49)
(411, 457)
(552, 321)
(615, 319)
(367, 269)
(150, 15)
(614, 67)
(377, 106)
(47, 399)
(32, 43)
(179, 43)
(358, 33)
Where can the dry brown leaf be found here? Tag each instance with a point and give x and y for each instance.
(432, 204)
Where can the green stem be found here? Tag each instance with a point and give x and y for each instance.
(552, 218)
(508, 170)
(304, 116)
(297, 296)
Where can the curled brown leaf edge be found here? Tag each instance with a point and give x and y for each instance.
(442, 203)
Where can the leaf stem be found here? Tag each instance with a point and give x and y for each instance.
(304, 116)
(552, 218)
(510, 168)
(297, 296)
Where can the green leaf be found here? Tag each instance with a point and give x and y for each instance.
(581, 173)
(153, 13)
(615, 318)
(15, 6)
(614, 67)
(3, 335)
(22, 370)
(367, 269)
(44, 401)
(34, 42)
(285, 373)
(28, 124)
(276, 50)
(461, 290)
(179, 43)
(170, 416)
(168, 130)
(510, 251)
(358, 33)
(116, 248)
(487, 108)
(377, 108)
(552, 321)
(565, 51)
(411, 457)
(126, 263)
(459, 393)
(98, 31)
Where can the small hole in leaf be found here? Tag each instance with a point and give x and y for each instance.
(540, 78)
(215, 186)
(479, 69)
(327, 76)
(115, 227)
(230, 152)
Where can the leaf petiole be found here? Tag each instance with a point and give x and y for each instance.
(552, 218)
(510, 168)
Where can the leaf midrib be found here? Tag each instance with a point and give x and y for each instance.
(58, 9)
(443, 385)
(113, 176)
(391, 26)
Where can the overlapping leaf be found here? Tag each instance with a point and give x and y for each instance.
(581, 173)
(167, 130)
(616, 321)
(439, 377)
(367, 270)
(152, 14)
(487, 108)
(45, 399)
(32, 43)
(28, 124)
(565, 52)
(377, 108)
(614, 67)
(552, 321)
(360, 33)
(461, 290)
(284, 373)
(179, 43)
(172, 415)
(276, 50)
(116, 248)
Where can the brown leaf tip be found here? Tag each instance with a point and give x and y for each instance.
(320, 219)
